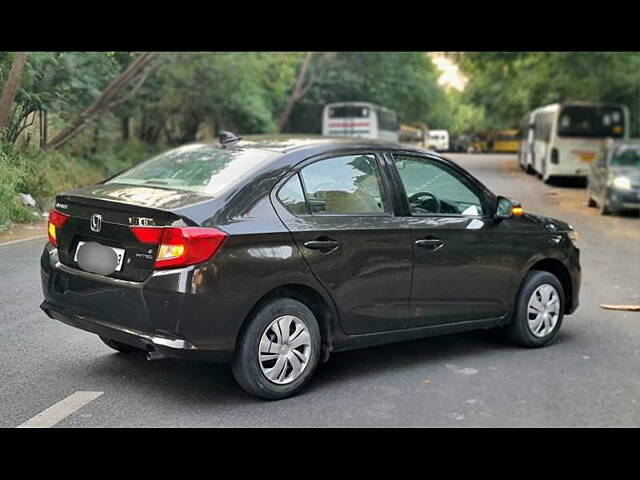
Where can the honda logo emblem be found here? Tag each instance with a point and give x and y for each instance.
(96, 222)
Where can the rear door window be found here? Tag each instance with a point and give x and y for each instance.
(347, 185)
(292, 196)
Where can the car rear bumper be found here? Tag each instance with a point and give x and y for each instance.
(169, 345)
(158, 314)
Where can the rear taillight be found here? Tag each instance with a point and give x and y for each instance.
(181, 246)
(56, 220)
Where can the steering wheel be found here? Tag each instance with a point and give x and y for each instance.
(435, 202)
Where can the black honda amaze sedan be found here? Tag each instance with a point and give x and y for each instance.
(272, 253)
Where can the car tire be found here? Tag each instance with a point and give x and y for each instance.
(121, 347)
(544, 176)
(531, 329)
(251, 372)
(604, 205)
(590, 201)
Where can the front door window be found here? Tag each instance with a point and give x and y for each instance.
(434, 188)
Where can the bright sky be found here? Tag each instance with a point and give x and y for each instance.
(450, 74)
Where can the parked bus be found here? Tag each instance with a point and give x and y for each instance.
(562, 139)
(439, 140)
(414, 135)
(504, 141)
(525, 147)
(360, 119)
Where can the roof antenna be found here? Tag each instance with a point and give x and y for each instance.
(228, 138)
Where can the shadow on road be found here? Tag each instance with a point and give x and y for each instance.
(568, 182)
(205, 384)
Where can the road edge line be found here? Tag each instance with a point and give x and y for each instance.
(20, 240)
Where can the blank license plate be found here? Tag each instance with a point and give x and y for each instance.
(118, 251)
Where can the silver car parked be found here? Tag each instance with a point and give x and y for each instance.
(614, 177)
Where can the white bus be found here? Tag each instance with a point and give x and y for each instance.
(360, 119)
(562, 139)
(439, 140)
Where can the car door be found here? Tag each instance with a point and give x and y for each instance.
(462, 265)
(338, 210)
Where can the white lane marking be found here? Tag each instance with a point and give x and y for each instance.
(20, 240)
(60, 410)
(463, 370)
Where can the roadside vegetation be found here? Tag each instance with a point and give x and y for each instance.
(72, 118)
(503, 86)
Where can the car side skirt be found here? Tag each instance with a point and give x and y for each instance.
(353, 342)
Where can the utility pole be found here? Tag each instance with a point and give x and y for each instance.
(10, 88)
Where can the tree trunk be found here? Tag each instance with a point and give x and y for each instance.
(125, 128)
(10, 88)
(96, 138)
(296, 94)
(108, 99)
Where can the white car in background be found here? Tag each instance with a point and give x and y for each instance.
(439, 140)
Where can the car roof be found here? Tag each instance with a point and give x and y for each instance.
(317, 143)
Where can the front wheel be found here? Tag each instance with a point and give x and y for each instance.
(539, 310)
(278, 350)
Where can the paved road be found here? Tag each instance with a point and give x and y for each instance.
(589, 377)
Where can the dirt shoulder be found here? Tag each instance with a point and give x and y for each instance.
(19, 232)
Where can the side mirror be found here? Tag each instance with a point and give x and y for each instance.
(507, 208)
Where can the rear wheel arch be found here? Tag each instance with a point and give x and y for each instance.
(312, 299)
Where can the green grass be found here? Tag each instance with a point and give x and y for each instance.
(45, 174)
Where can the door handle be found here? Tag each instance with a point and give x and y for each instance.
(321, 244)
(430, 243)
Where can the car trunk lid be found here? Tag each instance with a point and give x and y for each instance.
(105, 214)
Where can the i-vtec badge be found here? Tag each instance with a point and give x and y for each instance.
(96, 222)
(141, 221)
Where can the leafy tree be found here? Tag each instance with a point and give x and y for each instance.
(464, 116)
(508, 84)
(402, 81)
(223, 90)
(59, 82)
(10, 87)
(114, 94)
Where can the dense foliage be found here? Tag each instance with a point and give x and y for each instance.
(403, 81)
(504, 86)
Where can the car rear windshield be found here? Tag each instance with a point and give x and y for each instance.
(586, 121)
(195, 168)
